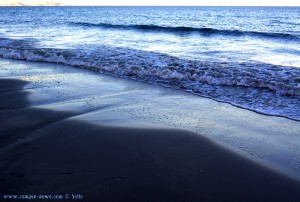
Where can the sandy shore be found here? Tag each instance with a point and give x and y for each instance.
(81, 142)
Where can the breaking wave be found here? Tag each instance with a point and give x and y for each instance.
(180, 30)
(265, 88)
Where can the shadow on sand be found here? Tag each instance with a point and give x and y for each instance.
(49, 152)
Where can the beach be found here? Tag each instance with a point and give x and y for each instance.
(68, 131)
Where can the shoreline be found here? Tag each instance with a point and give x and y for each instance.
(106, 100)
(74, 130)
(233, 91)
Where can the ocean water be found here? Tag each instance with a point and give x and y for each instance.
(246, 56)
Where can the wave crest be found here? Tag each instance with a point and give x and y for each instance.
(188, 30)
(260, 87)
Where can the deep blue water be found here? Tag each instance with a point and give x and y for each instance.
(246, 56)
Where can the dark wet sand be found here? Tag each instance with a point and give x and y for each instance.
(48, 152)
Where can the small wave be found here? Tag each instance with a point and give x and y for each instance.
(264, 88)
(179, 30)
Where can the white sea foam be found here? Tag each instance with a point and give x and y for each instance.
(265, 88)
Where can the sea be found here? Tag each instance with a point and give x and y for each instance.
(246, 56)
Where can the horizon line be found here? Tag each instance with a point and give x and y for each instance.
(152, 5)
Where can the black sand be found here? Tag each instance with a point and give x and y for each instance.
(48, 152)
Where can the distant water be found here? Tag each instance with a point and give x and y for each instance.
(246, 56)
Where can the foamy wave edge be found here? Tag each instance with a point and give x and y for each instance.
(192, 76)
(196, 72)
